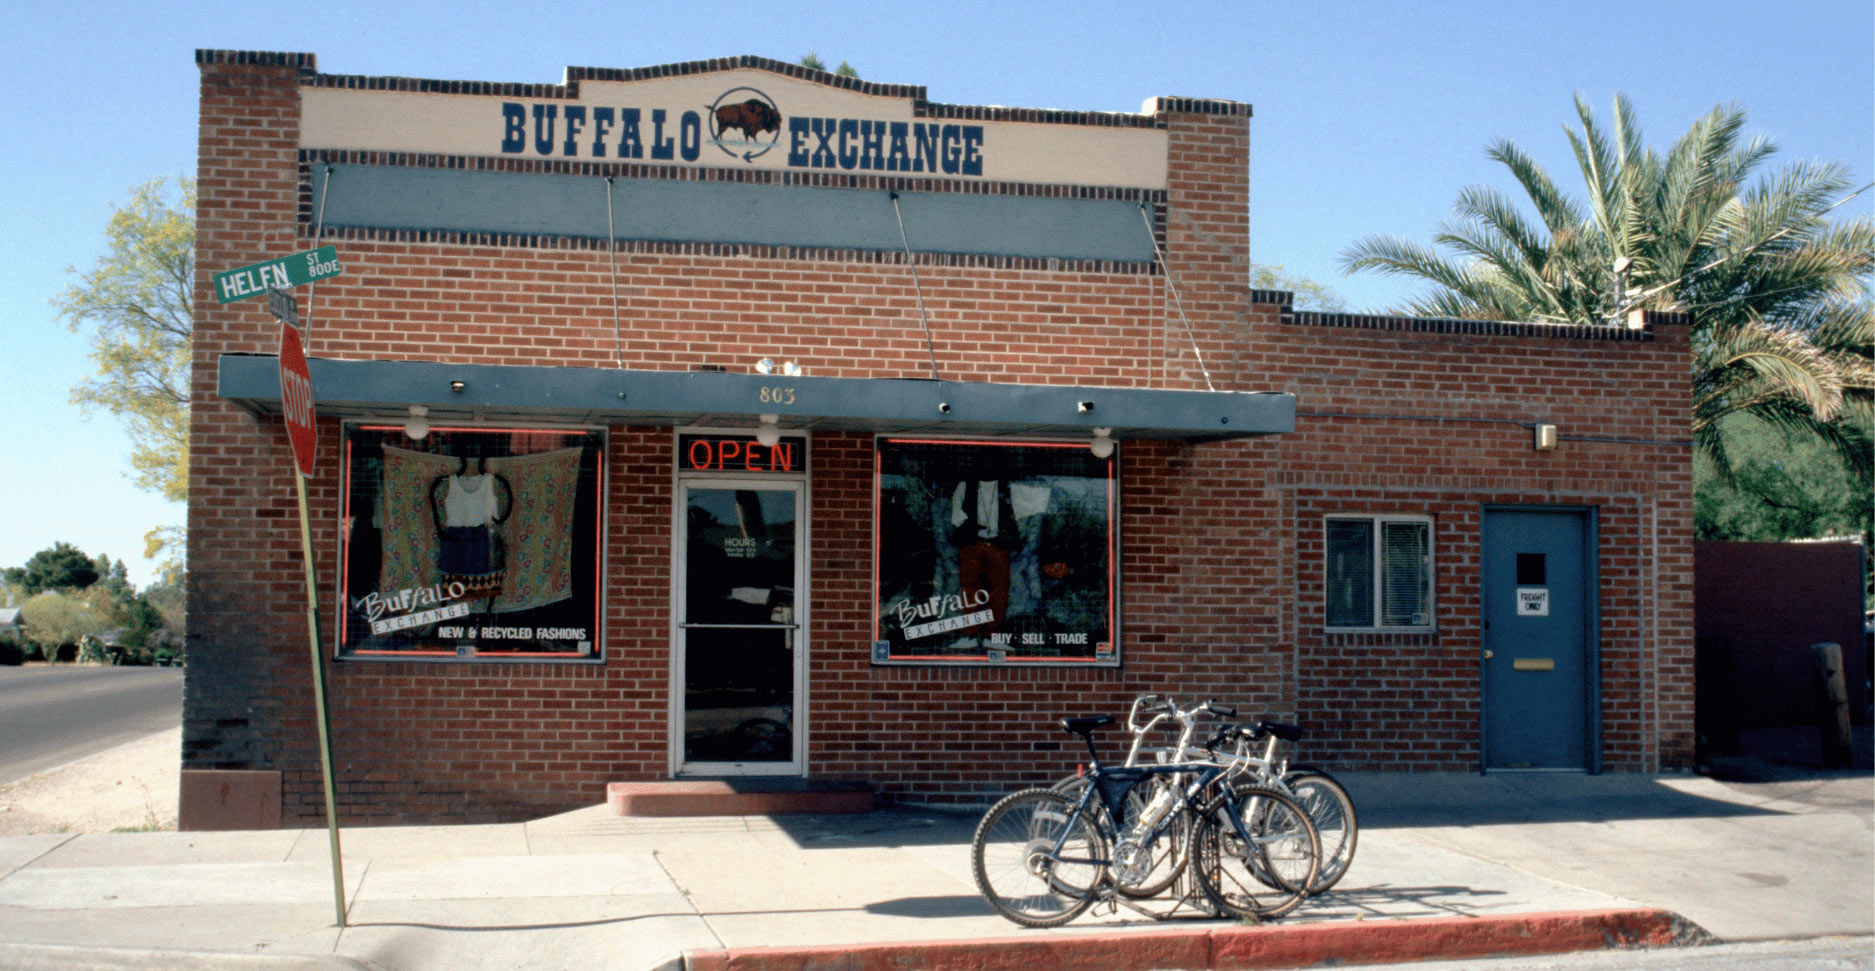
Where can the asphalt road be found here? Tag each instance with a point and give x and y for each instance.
(53, 715)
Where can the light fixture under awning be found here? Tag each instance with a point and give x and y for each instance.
(603, 396)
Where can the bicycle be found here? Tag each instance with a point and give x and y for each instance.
(1169, 861)
(1041, 858)
(1328, 804)
(1325, 800)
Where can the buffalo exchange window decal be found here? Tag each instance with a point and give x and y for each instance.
(474, 543)
(989, 552)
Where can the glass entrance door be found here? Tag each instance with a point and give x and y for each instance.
(739, 663)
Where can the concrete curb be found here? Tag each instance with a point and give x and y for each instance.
(1230, 948)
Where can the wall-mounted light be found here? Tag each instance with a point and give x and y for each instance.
(457, 386)
(418, 424)
(768, 432)
(765, 366)
(1545, 438)
(1103, 443)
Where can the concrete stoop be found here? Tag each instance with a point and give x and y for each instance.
(1231, 948)
(738, 797)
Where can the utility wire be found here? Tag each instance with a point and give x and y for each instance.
(611, 248)
(912, 262)
(1172, 285)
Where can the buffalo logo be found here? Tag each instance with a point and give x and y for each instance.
(744, 123)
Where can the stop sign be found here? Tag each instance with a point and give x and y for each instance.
(296, 398)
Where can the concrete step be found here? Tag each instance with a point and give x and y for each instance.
(761, 796)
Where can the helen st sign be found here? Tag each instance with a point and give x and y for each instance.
(296, 400)
(288, 271)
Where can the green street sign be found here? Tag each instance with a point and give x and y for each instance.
(287, 271)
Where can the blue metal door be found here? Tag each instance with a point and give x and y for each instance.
(1538, 591)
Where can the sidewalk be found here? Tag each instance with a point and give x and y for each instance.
(588, 889)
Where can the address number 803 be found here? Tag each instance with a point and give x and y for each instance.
(777, 396)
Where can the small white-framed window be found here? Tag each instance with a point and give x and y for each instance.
(1378, 574)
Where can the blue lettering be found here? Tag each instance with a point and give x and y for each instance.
(849, 143)
(601, 120)
(897, 159)
(514, 127)
(575, 118)
(823, 155)
(953, 151)
(926, 159)
(661, 147)
(973, 149)
(629, 144)
(544, 116)
(797, 141)
(690, 136)
(872, 144)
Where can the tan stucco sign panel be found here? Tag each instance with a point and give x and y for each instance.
(733, 119)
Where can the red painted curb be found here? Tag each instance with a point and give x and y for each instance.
(1229, 948)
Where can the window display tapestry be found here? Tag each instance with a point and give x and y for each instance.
(995, 553)
(471, 543)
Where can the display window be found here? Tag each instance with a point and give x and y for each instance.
(990, 552)
(471, 543)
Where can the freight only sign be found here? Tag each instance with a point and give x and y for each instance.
(287, 271)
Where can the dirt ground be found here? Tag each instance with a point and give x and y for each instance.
(131, 787)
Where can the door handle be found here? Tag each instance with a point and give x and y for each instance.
(1489, 654)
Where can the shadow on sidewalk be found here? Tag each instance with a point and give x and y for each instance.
(1398, 799)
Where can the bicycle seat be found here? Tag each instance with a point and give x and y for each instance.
(1288, 733)
(1086, 724)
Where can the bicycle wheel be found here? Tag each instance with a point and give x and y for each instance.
(1267, 875)
(1017, 867)
(1332, 812)
(1157, 865)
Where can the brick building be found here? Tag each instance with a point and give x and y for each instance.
(732, 418)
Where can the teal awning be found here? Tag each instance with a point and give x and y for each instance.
(605, 396)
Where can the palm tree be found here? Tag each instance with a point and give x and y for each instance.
(1777, 293)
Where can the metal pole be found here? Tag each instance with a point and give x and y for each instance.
(319, 699)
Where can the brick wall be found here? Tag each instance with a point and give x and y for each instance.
(1220, 543)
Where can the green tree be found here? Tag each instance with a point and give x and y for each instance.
(811, 60)
(136, 303)
(167, 599)
(60, 566)
(1310, 295)
(57, 619)
(1784, 485)
(1777, 292)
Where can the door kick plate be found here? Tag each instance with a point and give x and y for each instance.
(1533, 664)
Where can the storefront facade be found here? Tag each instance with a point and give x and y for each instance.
(731, 418)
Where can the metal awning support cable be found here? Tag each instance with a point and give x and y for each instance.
(1178, 301)
(611, 248)
(319, 231)
(912, 262)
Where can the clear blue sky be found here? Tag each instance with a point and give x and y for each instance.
(1369, 117)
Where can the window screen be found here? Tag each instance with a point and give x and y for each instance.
(1379, 572)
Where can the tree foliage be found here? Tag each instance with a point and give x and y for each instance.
(60, 566)
(60, 618)
(135, 302)
(811, 60)
(1310, 295)
(1777, 292)
(1784, 485)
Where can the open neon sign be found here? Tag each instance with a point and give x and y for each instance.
(739, 453)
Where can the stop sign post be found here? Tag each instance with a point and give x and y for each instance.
(296, 400)
(296, 406)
